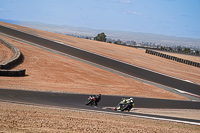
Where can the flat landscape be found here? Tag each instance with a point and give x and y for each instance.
(46, 71)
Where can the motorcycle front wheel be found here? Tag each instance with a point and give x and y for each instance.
(89, 102)
(125, 107)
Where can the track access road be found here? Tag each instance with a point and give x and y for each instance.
(106, 61)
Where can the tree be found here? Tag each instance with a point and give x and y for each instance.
(163, 48)
(101, 37)
(118, 42)
(86, 37)
(170, 49)
(186, 50)
(197, 52)
(179, 49)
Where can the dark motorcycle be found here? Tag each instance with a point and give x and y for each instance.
(91, 101)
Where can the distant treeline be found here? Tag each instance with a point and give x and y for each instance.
(146, 45)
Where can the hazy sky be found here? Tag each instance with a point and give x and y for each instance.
(169, 17)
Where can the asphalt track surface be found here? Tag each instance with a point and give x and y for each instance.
(70, 100)
(107, 62)
(78, 100)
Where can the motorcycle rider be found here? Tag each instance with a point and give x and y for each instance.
(130, 100)
(125, 101)
(97, 99)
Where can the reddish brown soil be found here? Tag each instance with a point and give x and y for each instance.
(5, 53)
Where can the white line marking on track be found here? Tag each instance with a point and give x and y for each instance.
(184, 92)
(189, 81)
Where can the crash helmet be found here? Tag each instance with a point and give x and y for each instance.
(132, 99)
(99, 94)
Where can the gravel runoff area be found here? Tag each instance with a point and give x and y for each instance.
(42, 63)
(22, 118)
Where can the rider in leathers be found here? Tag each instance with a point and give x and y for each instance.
(97, 99)
(124, 101)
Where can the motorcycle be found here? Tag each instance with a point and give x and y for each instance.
(123, 106)
(91, 101)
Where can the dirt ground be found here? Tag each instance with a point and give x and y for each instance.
(21, 118)
(5, 53)
(51, 72)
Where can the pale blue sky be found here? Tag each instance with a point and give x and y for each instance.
(169, 17)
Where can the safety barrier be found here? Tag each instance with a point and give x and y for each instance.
(18, 57)
(18, 72)
(196, 64)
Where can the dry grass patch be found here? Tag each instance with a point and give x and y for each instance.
(21, 118)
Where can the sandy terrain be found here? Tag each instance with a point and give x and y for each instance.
(51, 72)
(20, 118)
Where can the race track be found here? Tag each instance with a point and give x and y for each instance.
(70, 100)
(78, 100)
(107, 62)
